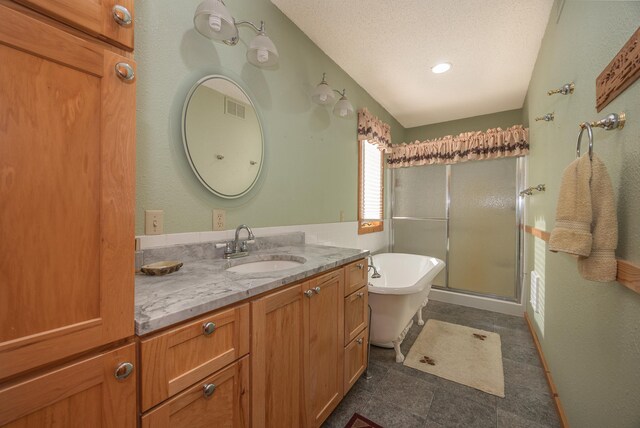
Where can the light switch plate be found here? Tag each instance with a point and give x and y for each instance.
(154, 222)
(219, 219)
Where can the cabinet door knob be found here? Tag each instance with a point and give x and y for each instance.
(125, 71)
(316, 290)
(121, 15)
(208, 328)
(123, 371)
(360, 294)
(208, 389)
(360, 266)
(359, 341)
(308, 293)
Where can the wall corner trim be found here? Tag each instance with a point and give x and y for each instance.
(547, 373)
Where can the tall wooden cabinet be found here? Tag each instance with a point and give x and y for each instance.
(67, 155)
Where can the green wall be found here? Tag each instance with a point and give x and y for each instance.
(310, 171)
(503, 119)
(590, 332)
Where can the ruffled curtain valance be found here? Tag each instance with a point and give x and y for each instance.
(374, 130)
(492, 144)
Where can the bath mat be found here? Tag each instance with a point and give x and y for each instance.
(359, 421)
(461, 354)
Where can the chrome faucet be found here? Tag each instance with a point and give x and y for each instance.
(236, 248)
(371, 266)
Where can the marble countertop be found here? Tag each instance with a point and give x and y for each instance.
(204, 285)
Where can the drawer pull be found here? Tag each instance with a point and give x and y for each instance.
(121, 15)
(208, 328)
(359, 341)
(308, 293)
(360, 266)
(125, 71)
(123, 371)
(316, 290)
(208, 389)
(360, 294)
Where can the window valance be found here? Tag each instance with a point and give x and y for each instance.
(492, 144)
(374, 130)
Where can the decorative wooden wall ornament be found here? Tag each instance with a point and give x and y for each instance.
(621, 72)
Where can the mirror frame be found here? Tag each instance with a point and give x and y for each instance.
(186, 147)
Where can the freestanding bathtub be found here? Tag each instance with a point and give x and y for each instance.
(400, 292)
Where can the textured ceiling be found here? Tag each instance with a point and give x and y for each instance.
(389, 47)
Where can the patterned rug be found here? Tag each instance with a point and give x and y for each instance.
(461, 354)
(359, 421)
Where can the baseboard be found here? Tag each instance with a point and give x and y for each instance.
(478, 302)
(547, 372)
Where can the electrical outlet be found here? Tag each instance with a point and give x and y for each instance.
(341, 215)
(154, 222)
(219, 219)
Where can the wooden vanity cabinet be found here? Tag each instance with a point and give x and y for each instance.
(67, 156)
(95, 17)
(355, 359)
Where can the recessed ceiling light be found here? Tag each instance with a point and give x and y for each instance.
(441, 68)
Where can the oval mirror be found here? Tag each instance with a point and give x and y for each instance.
(222, 136)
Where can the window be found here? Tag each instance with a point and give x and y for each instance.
(370, 188)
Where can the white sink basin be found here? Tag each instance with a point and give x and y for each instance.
(265, 266)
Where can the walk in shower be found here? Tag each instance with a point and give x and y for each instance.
(467, 214)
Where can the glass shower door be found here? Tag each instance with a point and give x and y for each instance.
(483, 227)
(420, 213)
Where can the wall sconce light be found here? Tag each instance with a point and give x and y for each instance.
(324, 95)
(214, 21)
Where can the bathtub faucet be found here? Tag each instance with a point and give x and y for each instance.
(371, 266)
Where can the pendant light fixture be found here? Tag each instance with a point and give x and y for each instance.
(214, 21)
(324, 94)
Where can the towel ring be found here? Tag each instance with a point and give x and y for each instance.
(590, 134)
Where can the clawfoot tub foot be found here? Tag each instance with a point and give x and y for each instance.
(399, 355)
(419, 312)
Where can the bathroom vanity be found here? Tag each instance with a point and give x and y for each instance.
(265, 349)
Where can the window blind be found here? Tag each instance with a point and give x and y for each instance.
(371, 197)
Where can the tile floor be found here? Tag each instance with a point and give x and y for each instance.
(402, 397)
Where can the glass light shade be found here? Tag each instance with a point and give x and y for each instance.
(323, 94)
(441, 68)
(214, 21)
(262, 52)
(343, 108)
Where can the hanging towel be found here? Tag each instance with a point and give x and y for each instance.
(601, 264)
(572, 232)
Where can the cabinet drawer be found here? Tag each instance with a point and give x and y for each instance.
(355, 276)
(356, 314)
(173, 360)
(355, 359)
(96, 17)
(81, 394)
(226, 406)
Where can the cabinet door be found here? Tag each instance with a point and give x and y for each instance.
(325, 346)
(175, 359)
(221, 400)
(67, 149)
(82, 394)
(356, 314)
(95, 17)
(277, 351)
(356, 276)
(355, 359)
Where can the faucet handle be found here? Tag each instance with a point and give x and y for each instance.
(228, 249)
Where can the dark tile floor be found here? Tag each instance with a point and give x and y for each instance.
(402, 397)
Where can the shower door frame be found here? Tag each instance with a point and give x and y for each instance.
(520, 179)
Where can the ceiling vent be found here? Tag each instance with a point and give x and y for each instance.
(234, 108)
